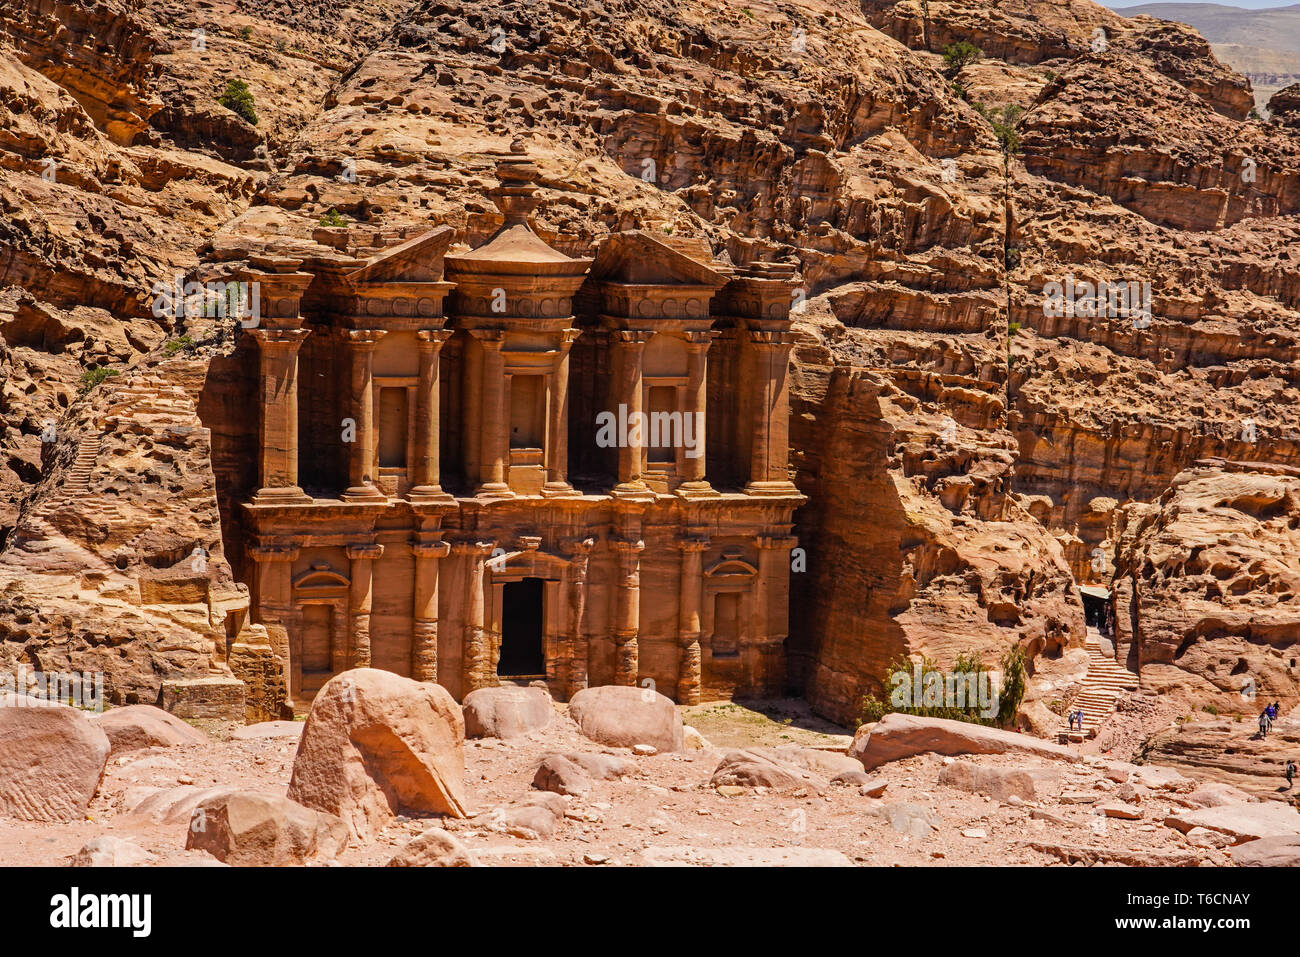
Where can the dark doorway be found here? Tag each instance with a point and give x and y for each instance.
(522, 653)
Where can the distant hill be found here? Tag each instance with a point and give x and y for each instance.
(1262, 44)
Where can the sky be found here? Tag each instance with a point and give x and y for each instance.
(1244, 4)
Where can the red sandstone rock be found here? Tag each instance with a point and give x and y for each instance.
(506, 712)
(434, 848)
(900, 735)
(1028, 784)
(51, 759)
(623, 717)
(144, 726)
(249, 829)
(376, 744)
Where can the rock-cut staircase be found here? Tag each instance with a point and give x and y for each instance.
(1105, 681)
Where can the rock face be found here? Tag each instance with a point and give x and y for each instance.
(1208, 588)
(852, 153)
(51, 760)
(144, 726)
(622, 717)
(903, 735)
(1028, 784)
(1242, 822)
(757, 767)
(506, 712)
(258, 830)
(1268, 852)
(376, 744)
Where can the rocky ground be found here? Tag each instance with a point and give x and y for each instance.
(668, 808)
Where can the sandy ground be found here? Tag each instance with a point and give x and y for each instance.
(664, 812)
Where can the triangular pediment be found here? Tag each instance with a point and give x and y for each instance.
(416, 260)
(640, 258)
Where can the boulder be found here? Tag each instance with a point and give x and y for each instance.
(1028, 784)
(506, 712)
(1242, 822)
(110, 851)
(1120, 810)
(1159, 778)
(244, 828)
(531, 822)
(825, 763)
(52, 758)
(1215, 794)
(899, 735)
(170, 805)
(602, 767)
(377, 744)
(693, 740)
(557, 773)
(757, 767)
(622, 717)
(908, 817)
(1268, 852)
(434, 848)
(139, 726)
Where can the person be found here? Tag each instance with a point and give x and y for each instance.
(1290, 772)
(1263, 723)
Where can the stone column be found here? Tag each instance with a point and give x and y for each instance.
(494, 443)
(630, 350)
(627, 615)
(688, 621)
(769, 422)
(557, 426)
(424, 635)
(361, 344)
(278, 436)
(427, 480)
(577, 678)
(765, 660)
(695, 408)
(477, 654)
(274, 586)
(359, 600)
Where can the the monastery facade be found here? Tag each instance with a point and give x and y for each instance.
(452, 486)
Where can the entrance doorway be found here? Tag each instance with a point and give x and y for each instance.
(317, 647)
(523, 654)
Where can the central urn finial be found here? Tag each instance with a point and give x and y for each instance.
(515, 195)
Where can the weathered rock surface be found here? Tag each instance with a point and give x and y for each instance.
(1268, 852)
(506, 712)
(559, 774)
(144, 726)
(111, 852)
(1028, 784)
(1243, 822)
(434, 848)
(761, 767)
(377, 743)
(248, 829)
(900, 735)
(623, 717)
(51, 759)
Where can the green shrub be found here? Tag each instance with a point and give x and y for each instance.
(93, 377)
(176, 345)
(239, 100)
(960, 54)
(333, 219)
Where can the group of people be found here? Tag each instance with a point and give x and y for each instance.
(1267, 717)
(1076, 719)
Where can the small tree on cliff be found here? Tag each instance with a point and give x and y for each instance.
(239, 100)
(958, 55)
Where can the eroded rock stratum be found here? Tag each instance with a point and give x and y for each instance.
(969, 461)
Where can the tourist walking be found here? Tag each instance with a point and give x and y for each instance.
(1264, 723)
(1290, 772)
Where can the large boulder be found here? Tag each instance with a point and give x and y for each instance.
(557, 773)
(760, 767)
(139, 726)
(1268, 852)
(622, 716)
(377, 744)
(52, 758)
(1242, 822)
(506, 712)
(900, 735)
(244, 828)
(434, 848)
(1028, 784)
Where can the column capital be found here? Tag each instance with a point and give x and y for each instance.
(489, 338)
(777, 541)
(770, 338)
(431, 340)
(430, 549)
(279, 340)
(472, 547)
(698, 341)
(631, 337)
(626, 547)
(692, 544)
(364, 550)
(363, 339)
(273, 553)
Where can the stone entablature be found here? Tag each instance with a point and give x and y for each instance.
(415, 508)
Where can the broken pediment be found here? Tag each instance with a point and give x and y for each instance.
(416, 260)
(644, 259)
